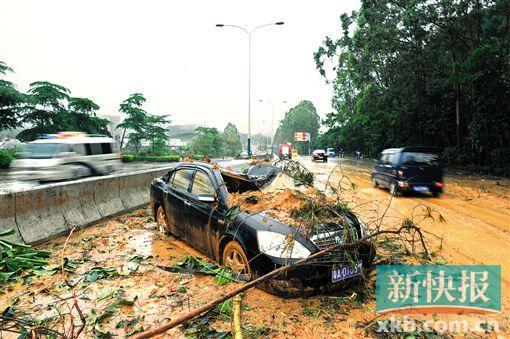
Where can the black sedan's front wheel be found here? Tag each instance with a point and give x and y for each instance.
(235, 258)
(161, 220)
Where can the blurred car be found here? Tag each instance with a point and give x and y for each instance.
(331, 152)
(244, 155)
(191, 201)
(64, 156)
(409, 169)
(319, 154)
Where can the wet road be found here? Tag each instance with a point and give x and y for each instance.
(8, 184)
(476, 210)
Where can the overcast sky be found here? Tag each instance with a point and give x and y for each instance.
(172, 52)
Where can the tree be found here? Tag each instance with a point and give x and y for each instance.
(49, 108)
(301, 118)
(84, 118)
(45, 110)
(231, 141)
(155, 131)
(10, 101)
(420, 72)
(208, 142)
(136, 120)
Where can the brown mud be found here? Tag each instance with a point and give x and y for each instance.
(476, 231)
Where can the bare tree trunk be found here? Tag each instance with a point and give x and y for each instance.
(122, 139)
(457, 113)
(456, 89)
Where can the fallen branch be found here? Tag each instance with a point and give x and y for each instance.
(237, 329)
(196, 312)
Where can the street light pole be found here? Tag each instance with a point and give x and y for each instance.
(272, 120)
(249, 34)
(271, 124)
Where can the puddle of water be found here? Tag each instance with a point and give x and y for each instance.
(167, 250)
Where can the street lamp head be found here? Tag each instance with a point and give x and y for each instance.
(279, 23)
(220, 25)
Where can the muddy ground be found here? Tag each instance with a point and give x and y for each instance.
(136, 292)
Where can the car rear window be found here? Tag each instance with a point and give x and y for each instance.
(182, 179)
(419, 158)
(202, 184)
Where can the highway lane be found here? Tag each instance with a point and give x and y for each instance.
(8, 184)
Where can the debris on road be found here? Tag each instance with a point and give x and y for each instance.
(158, 295)
(191, 265)
(19, 260)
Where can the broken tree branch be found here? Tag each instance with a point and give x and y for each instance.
(237, 329)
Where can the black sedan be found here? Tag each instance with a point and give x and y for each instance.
(192, 202)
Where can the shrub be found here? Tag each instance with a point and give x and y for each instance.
(500, 161)
(6, 157)
(158, 158)
(150, 158)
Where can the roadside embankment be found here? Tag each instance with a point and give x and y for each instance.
(48, 211)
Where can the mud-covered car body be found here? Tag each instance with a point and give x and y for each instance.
(202, 220)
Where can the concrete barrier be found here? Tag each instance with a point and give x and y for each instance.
(81, 209)
(107, 197)
(45, 212)
(40, 213)
(131, 188)
(8, 216)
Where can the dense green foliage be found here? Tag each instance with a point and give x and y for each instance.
(157, 158)
(46, 108)
(210, 142)
(6, 157)
(142, 125)
(10, 101)
(49, 108)
(150, 157)
(421, 72)
(300, 118)
(232, 146)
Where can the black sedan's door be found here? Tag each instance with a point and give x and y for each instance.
(204, 217)
(177, 197)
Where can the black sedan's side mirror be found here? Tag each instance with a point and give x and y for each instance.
(206, 198)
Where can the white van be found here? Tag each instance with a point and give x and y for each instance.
(67, 155)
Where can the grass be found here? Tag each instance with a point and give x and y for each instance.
(156, 158)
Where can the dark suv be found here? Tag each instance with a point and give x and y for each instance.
(409, 169)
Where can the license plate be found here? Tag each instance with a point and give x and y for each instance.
(420, 188)
(346, 271)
